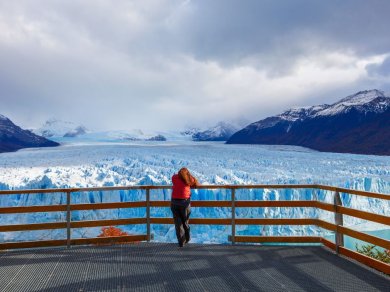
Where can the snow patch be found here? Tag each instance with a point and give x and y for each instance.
(359, 100)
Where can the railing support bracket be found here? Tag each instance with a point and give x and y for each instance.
(233, 191)
(68, 219)
(338, 218)
(148, 236)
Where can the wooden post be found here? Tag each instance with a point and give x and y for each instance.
(148, 214)
(338, 218)
(233, 191)
(68, 219)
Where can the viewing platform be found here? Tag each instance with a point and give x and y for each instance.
(139, 264)
(196, 267)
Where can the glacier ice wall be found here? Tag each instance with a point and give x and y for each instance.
(213, 163)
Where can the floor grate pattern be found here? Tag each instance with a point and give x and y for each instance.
(196, 267)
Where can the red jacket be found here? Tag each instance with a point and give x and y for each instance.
(180, 190)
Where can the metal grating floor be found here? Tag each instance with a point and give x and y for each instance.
(163, 267)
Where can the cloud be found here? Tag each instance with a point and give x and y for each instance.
(381, 70)
(162, 64)
(230, 31)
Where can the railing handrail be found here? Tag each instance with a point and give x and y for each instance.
(157, 187)
(233, 203)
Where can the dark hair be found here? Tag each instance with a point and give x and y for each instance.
(186, 177)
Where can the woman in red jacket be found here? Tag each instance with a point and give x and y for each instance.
(180, 203)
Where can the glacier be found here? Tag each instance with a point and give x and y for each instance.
(82, 164)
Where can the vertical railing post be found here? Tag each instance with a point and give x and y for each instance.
(148, 214)
(68, 218)
(233, 191)
(338, 218)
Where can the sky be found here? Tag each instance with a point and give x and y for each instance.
(172, 64)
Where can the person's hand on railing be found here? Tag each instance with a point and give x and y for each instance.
(196, 183)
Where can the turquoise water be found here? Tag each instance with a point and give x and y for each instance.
(350, 242)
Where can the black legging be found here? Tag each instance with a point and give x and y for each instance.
(181, 215)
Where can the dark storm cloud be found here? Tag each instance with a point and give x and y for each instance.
(136, 64)
(230, 31)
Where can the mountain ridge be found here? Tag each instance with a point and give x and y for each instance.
(354, 124)
(222, 131)
(13, 138)
(59, 128)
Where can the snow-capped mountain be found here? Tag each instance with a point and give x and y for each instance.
(57, 128)
(65, 131)
(13, 138)
(220, 132)
(190, 131)
(358, 123)
(114, 136)
(363, 101)
(80, 130)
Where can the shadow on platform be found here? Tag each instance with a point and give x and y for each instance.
(163, 267)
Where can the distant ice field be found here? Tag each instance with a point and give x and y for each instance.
(123, 164)
(143, 163)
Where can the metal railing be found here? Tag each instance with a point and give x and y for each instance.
(336, 208)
